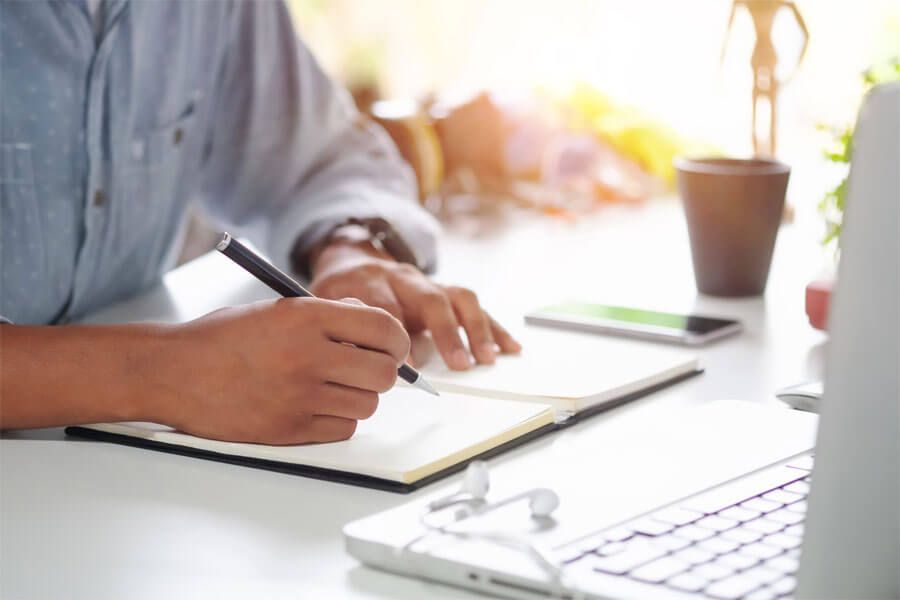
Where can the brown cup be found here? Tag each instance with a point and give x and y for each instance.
(733, 208)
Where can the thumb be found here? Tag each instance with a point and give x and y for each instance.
(354, 301)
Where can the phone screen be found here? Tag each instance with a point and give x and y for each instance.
(636, 316)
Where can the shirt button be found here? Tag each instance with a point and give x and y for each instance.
(177, 136)
(99, 198)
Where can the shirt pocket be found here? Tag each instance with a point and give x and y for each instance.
(155, 186)
(22, 255)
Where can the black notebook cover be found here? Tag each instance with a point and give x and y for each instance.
(366, 480)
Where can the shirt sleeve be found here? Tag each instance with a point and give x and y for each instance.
(289, 157)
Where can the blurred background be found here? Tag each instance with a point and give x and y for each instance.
(566, 106)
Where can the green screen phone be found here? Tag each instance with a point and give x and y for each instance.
(634, 322)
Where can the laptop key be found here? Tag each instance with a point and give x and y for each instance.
(737, 561)
(732, 588)
(785, 516)
(761, 575)
(712, 571)
(780, 540)
(718, 545)
(672, 543)
(761, 505)
(784, 563)
(761, 551)
(784, 586)
(659, 570)
(693, 533)
(591, 543)
(611, 548)
(694, 555)
(742, 536)
(781, 496)
(637, 552)
(651, 527)
(762, 594)
(763, 526)
(716, 523)
(676, 516)
(739, 513)
(618, 534)
(687, 582)
(798, 487)
(795, 530)
(797, 507)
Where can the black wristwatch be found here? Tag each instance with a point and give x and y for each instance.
(376, 232)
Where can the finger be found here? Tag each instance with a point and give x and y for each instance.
(476, 323)
(307, 428)
(327, 428)
(360, 368)
(347, 402)
(507, 343)
(364, 326)
(353, 301)
(419, 296)
(378, 293)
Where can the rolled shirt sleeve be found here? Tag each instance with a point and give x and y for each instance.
(289, 157)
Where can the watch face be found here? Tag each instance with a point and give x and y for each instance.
(384, 237)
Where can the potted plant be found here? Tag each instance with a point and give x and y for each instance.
(839, 151)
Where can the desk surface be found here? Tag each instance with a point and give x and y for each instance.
(81, 519)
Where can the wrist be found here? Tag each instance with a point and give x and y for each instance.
(170, 366)
(139, 372)
(340, 249)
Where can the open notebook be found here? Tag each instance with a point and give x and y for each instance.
(414, 438)
(576, 373)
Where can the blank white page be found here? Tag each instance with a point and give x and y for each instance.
(580, 368)
(410, 436)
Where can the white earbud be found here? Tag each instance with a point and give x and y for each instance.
(475, 487)
(476, 483)
(541, 501)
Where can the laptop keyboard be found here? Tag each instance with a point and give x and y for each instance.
(741, 540)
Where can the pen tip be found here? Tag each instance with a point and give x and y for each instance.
(424, 385)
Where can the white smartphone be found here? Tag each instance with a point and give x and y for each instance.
(692, 330)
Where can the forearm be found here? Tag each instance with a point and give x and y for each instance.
(51, 376)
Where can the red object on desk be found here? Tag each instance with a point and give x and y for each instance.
(818, 297)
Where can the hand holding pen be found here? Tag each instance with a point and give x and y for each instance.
(289, 288)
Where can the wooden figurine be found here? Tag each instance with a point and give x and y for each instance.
(764, 61)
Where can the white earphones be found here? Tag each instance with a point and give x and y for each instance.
(541, 501)
(476, 483)
(474, 489)
(472, 497)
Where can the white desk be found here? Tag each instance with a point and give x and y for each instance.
(88, 520)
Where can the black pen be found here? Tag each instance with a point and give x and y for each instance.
(273, 277)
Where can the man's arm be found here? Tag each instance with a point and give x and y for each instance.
(49, 375)
(235, 374)
(290, 158)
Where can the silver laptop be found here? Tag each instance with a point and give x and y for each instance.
(752, 536)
